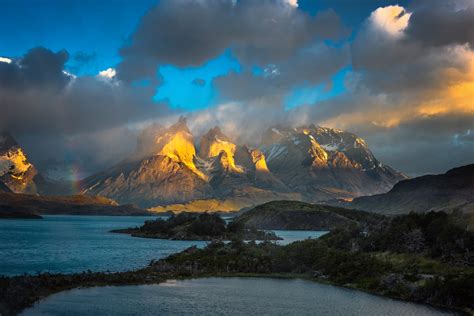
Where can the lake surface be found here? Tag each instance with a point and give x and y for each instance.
(69, 244)
(226, 296)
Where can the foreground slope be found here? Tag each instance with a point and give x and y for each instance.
(448, 192)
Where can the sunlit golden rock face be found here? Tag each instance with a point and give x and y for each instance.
(213, 143)
(177, 144)
(318, 156)
(16, 172)
(258, 158)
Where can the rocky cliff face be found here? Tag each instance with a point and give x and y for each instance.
(307, 163)
(326, 163)
(16, 172)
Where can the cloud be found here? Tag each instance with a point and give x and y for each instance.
(408, 95)
(41, 101)
(391, 19)
(189, 32)
(5, 60)
(293, 3)
(108, 73)
(439, 23)
(408, 90)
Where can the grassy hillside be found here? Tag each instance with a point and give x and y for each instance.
(296, 215)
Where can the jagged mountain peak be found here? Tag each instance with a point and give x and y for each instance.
(16, 172)
(214, 143)
(177, 143)
(180, 126)
(216, 133)
(321, 143)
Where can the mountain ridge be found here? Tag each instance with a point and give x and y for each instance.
(451, 191)
(305, 163)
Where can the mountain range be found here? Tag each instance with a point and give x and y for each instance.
(172, 170)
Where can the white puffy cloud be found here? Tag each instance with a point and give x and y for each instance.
(108, 73)
(5, 60)
(293, 3)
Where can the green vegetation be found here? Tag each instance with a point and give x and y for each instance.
(420, 258)
(436, 235)
(192, 226)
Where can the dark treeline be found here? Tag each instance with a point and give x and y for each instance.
(194, 226)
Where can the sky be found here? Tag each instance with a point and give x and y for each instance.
(80, 79)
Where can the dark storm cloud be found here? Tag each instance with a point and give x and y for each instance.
(39, 67)
(38, 96)
(312, 65)
(41, 104)
(440, 22)
(190, 32)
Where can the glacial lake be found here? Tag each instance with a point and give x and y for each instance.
(69, 244)
(226, 296)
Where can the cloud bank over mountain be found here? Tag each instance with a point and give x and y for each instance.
(406, 89)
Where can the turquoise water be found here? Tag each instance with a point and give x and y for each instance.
(226, 296)
(69, 244)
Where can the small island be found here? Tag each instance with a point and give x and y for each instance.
(192, 226)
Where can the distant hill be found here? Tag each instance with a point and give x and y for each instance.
(14, 203)
(295, 215)
(452, 191)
